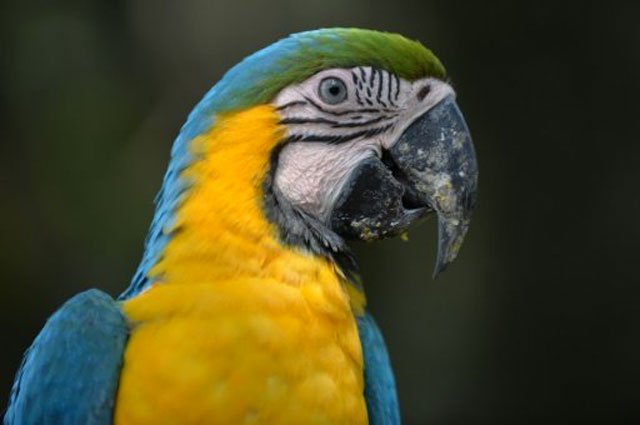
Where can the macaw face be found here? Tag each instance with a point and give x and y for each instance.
(368, 153)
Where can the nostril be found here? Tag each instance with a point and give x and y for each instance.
(424, 91)
(410, 200)
(387, 160)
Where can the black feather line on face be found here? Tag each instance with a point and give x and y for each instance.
(395, 77)
(363, 74)
(338, 138)
(333, 123)
(303, 120)
(354, 77)
(290, 104)
(364, 123)
(380, 86)
(350, 111)
(372, 76)
(389, 88)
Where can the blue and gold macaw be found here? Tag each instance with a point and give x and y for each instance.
(246, 307)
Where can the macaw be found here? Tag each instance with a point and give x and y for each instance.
(247, 307)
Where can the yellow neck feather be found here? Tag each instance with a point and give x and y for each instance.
(221, 231)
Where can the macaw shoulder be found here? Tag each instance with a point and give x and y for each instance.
(70, 373)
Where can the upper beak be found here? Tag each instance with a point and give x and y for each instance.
(436, 156)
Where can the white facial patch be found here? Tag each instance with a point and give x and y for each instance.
(312, 174)
(325, 141)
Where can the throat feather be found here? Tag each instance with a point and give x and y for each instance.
(221, 231)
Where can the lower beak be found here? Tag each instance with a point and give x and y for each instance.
(436, 157)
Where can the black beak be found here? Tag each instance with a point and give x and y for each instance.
(436, 158)
(431, 167)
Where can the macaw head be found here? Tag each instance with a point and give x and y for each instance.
(364, 139)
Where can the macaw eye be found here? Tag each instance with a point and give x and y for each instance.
(332, 90)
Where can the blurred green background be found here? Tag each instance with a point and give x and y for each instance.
(539, 319)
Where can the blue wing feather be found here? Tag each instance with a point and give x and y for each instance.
(70, 373)
(380, 385)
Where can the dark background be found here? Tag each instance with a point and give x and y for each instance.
(538, 321)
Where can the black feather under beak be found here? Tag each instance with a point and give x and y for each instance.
(432, 167)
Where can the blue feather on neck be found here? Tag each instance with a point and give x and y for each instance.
(225, 96)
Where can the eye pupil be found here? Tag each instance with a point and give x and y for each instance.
(332, 90)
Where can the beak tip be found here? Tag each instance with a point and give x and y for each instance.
(450, 238)
(439, 268)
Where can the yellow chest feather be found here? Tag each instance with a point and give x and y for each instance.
(237, 328)
(250, 352)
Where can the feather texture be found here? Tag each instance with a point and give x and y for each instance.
(69, 375)
(380, 385)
